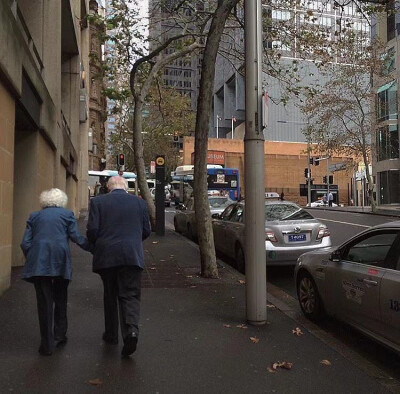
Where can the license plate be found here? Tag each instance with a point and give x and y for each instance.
(297, 237)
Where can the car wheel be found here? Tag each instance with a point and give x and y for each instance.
(176, 225)
(240, 261)
(309, 298)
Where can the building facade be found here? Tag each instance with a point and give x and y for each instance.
(97, 101)
(386, 164)
(43, 113)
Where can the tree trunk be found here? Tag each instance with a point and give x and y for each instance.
(370, 187)
(204, 104)
(137, 144)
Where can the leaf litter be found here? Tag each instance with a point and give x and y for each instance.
(297, 331)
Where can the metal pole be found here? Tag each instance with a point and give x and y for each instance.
(232, 128)
(217, 124)
(327, 177)
(308, 175)
(256, 279)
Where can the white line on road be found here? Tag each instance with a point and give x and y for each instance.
(351, 224)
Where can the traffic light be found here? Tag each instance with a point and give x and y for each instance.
(306, 172)
(331, 179)
(120, 160)
(176, 137)
(311, 160)
(316, 161)
(325, 179)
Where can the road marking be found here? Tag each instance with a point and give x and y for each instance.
(351, 224)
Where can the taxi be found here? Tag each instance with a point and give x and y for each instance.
(357, 282)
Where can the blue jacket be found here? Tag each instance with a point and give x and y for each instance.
(45, 243)
(118, 223)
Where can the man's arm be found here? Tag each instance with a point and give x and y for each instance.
(93, 222)
(146, 222)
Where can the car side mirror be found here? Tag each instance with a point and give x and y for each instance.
(335, 256)
(216, 216)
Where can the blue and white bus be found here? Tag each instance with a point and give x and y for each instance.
(222, 181)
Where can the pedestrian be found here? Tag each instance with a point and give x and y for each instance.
(330, 198)
(282, 196)
(325, 199)
(48, 264)
(118, 223)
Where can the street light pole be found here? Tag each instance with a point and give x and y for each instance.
(217, 124)
(233, 120)
(308, 174)
(255, 258)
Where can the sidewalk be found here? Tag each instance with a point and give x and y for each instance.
(381, 210)
(189, 342)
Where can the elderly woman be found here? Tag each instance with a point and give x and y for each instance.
(48, 263)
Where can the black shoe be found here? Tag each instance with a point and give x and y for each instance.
(110, 340)
(130, 344)
(45, 352)
(61, 341)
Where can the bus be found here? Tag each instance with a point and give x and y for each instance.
(221, 181)
(97, 178)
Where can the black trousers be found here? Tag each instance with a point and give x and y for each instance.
(52, 297)
(122, 289)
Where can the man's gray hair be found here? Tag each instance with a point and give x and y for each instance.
(53, 198)
(117, 182)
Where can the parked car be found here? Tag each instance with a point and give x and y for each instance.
(289, 232)
(184, 220)
(320, 203)
(357, 282)
(167, 201)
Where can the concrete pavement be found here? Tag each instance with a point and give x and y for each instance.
(193, 338)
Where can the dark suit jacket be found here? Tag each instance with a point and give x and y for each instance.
(118, 223)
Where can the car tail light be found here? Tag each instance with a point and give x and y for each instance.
(270, 236)
(323, 232)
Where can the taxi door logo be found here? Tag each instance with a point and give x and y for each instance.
(160, 161)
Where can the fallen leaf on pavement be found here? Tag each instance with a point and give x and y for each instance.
(243, 326)
(192, 287)
(326, 362)
(297, 331)
(283, 365)
(162, 260)
(271, 306)
(96, 382)
(155, 242)
(189, 276)
(153, 268)
(227, 325)
(241, 281)
(254, 339)
(269, 369)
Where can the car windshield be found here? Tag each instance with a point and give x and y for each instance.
(285, 212)
(219, 202)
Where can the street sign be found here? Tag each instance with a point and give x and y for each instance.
(337, 167)
(360, 175)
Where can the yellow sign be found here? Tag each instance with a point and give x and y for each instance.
(160, 161)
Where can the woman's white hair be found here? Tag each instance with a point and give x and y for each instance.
(53, 198)
(117, 182)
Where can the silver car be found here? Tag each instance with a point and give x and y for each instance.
(184, 220)
(357, 282)
(289, 232)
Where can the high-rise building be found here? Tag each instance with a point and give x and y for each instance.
(43, 113)
(285, 122)
(386, 164)
(182, 74)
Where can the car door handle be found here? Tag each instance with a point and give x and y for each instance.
(370, 282)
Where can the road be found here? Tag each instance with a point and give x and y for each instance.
(342, 225)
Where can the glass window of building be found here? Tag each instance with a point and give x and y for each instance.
(387, 101)
(387, 143)
(389, 187)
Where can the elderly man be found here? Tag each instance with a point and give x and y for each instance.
(118, 223)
